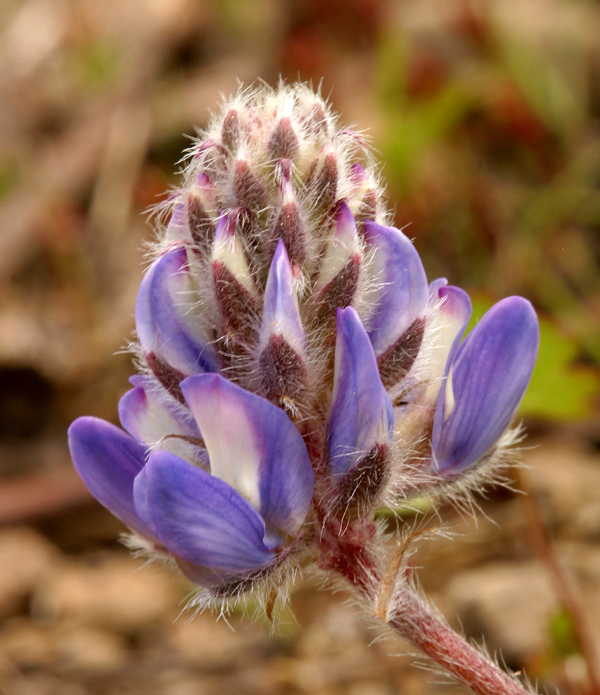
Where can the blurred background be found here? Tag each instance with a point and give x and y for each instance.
(486, 118)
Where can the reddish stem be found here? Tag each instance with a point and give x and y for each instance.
(403, 611)
(418, 624)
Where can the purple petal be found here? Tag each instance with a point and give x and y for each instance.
(148, 418)
(205, 576)
(108, 460)
(178, 228)
(254, 447)
(200, 518)
(281, 316)
(402, 297)
(434, 288)
(362, 413)
(140, 500)
(154, 418)
(165, 320)
(488, 378)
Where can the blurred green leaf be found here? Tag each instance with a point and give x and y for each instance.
(559, 388)
(413, 130)
(8, 177)
(97, 63)
(562, 634)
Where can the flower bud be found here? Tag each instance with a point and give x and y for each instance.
(282, 366)
(340, 267)
(322, 179)
(234, 287)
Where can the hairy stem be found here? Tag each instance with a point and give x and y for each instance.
(417, 623)
(407, 614)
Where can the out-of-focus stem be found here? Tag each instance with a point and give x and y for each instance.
(562, 585)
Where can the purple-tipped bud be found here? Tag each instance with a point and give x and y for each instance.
(322, 179)
(340, 268)
(361, 416)
(282, 366)
(289, 224)
(316, 123)
(290, 228)
(364, 196)
(230, 131)
(201, 212)
(249, 192)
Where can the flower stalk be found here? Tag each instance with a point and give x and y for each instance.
(418, 624)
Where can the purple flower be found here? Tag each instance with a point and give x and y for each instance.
(485, 380)
(224, 512)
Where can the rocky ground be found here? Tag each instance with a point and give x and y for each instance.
(79, 615)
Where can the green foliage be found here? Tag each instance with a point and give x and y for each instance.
(97, 64)
(8, 176)
(563, 638)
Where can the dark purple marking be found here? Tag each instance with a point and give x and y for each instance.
(283, 142)
(322, 181)
(282, 371)
(339, 293)
(395, 363)
(230, 131)
(290, 229)
(238, 306)
(202, 226)
(249, 192)
(168, 376)
(358, 489)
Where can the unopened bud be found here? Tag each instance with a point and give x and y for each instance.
(283, 142)
(201, 213)
(230, 131)
(322, 179)
(249, 192)
(340, 267)
(234, 287)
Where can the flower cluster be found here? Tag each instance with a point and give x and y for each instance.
(298, 371)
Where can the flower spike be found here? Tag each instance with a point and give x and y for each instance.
(298, 374)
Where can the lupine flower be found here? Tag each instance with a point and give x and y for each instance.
(297, 368)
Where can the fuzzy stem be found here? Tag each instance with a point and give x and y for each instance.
(404, 612)
(417, 623)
